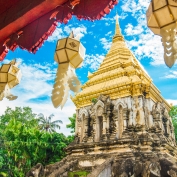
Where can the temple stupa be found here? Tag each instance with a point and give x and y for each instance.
(123, 128)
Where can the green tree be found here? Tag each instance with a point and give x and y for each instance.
(47, 125)
(24, 115)
(173, 114)
(23, 145)
(71, 125)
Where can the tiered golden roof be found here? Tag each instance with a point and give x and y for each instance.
(119, 75)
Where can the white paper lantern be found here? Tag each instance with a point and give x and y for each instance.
(10, 76)
(69, 54)
(70, 50)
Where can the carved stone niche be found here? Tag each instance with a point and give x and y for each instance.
(97, 111)
(162, 121)
(120, 117)
(82, 131)
(100, 114)
(99, 124)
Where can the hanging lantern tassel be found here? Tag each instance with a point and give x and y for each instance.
(10, 76)
(69, 54)
(169, 42)
(162, 20)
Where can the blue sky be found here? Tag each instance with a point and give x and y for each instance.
(39, 69)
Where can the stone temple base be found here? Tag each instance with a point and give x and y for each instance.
(139, 155)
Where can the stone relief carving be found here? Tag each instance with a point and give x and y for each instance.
(100, 111)
(118, 103)
(162, 121)
(83, 111)
(82, 124)
(157, 115)
(105, 116)
(139, 111)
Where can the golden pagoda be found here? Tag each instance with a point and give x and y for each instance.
(123, 128)
(120, 75)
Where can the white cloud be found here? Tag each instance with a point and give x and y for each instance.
(61, 33)
(108, 33)
(93, 61)
(35, 80)
(57, 34)
(173, 102)
(123, 16)
(135, 7)
(141, 40)
(130, 30)
(35, 90)
(43, 107)
(78, 31)
(106, 43)
(107, 24)
(171, 75)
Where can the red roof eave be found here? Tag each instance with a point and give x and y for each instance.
(28, 29)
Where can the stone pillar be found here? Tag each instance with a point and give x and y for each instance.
(125, 119)
(150, 121)
(76, 124)
(94, 127)
(115, 118)
(165, 120)
(168, 128)
(85, 138)
(130, 121)
(173, 134)
(104, 136)
(79, 128)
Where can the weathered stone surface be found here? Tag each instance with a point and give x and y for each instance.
(36, 171)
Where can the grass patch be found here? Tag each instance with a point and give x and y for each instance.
(78, 174)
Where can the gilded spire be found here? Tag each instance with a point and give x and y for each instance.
(118, 34)
(117, 28)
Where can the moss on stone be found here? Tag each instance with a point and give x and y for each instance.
(78, 174)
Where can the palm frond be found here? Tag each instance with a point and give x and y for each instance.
(57, 121)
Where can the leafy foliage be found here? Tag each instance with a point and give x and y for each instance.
(94, 100)
(23, 144)
(173, 114)
(72, 123)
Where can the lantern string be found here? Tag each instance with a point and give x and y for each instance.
(73, 23)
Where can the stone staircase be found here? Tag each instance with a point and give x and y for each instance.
(102, 170)
(63, 170)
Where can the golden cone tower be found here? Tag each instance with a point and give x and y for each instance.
(119, 75)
